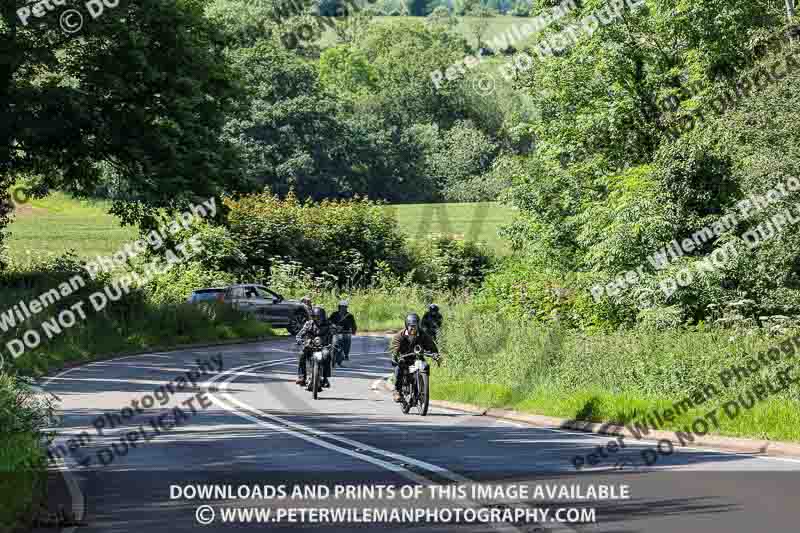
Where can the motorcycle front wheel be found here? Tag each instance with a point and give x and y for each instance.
(315, 379)
(408, 396)
(423, 396)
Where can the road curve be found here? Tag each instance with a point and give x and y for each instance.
(248, 425)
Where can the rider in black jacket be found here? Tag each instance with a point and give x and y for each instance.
(403, 343)
(318, 326)
(432, 320)
(347, 323)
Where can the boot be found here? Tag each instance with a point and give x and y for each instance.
(301, 380)
(325, 383)
(397, 397)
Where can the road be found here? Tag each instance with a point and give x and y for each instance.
(250, 427)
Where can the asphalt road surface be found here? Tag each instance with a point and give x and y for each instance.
(247, 433)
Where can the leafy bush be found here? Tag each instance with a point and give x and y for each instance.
(145, 317)
(291, 279)
(176, 284)
(218, 251)
(22, 416)
(521, 9)
(344, 238)
(444, 263)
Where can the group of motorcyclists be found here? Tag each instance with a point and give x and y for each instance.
(341, 325)
(338, 329)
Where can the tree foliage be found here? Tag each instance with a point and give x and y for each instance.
(142, 93)
(608, 184)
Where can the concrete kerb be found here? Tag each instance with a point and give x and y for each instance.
(734, 444)
(612, 429)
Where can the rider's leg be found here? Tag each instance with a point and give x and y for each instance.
(326, 371)
(346, 348)
(338, 351)
(399, 372)
(301, 367)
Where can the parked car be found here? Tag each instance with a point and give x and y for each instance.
(207, 295)
(268, 306)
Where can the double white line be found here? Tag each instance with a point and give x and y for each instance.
(381, 458)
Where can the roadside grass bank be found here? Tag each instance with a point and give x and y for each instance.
(133, 322)
(19, 488)
(78, 322)
(129, 324)
(617, 377)
(22, 417)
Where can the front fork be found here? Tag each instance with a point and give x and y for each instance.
(407, 377)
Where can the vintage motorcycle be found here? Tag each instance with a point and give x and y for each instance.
(314, 364)
(415, 391)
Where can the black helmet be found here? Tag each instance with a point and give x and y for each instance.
(318, 314)
(412, 320)
(433, 308)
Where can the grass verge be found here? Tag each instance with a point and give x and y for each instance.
(495, 362)
(772, 420)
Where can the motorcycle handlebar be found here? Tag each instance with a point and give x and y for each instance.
(432, 355)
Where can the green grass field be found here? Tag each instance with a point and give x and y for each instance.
(474, 222)
(59, 223)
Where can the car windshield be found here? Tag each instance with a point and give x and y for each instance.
(264, 293)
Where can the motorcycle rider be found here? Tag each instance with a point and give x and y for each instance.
(306, 301)
(432, 320)
(317, 326)
(403, 343)
(347, 323)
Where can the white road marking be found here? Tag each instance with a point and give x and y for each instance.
(301, 431)
(78, 499)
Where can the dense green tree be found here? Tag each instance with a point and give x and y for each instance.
(600, 100)
(143, 90)
(464, 152)
(291, 134)
(346, 71)
(353, 27)
(464, 7)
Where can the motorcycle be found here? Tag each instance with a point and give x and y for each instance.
(314, 364)
(338, 355)
(415, 391)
